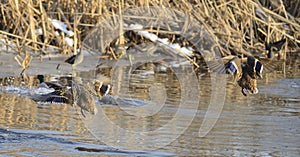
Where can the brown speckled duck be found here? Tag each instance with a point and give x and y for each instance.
(245, 74)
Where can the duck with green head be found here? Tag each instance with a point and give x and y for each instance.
(45, 84)
(61, 93)
(77, 95)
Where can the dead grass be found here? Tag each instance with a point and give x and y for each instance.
(231, 22)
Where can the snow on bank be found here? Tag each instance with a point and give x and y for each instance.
(61, 26)
(182, 51)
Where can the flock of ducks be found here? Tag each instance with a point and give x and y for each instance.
(245, 73)
(73, 94)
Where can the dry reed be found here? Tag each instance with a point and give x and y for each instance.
(231, 22)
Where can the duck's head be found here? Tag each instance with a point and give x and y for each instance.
(41, 78)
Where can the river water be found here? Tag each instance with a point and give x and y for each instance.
(266, 124)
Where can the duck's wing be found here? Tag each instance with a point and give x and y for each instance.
(104, 89)
(216, 66)
(71, 60)
(233, 66)
(51, 98)
(53, 85)
(223, 65)
(101, 89)
(271, 65)
(228, 65)
(57, 99)
(277, 45)
(254, 67)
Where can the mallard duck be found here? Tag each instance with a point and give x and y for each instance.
(44, 84)
(245, 71)
(75, 59)
(76, 94)
(274, 47)
(245, 74)
(82, 97)
(57, 96)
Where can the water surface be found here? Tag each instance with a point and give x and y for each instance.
(266, 124)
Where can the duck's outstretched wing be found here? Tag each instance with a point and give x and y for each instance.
(216, 66)
(233, 66)
(256, 67)
(57, 99)
(53, 97)
(271, 65)
(71, 60)
(228, 65)
(277, 45)
(221, 65)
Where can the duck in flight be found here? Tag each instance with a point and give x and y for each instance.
(246, 71)
(49, 85)
(80, 95)
(75, 59)
(246, 74)
(274, 47)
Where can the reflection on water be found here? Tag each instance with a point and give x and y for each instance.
(266, 124)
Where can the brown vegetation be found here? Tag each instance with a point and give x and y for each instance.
(231, 22)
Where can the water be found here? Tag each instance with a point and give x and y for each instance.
(266, 124)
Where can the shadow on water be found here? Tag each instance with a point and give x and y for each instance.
(36, 142)
(266, 124)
